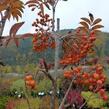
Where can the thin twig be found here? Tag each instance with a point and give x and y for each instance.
(62, 103)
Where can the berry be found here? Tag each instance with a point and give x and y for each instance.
(105, 97)
(101, 92)
(99, 82)
(96, 76)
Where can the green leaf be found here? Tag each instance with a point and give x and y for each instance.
(92, 99)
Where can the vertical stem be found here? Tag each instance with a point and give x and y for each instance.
(53, 96)
(62, 103)
(57, 42)
(53, 15)
(26, 96)
(58, 24)
(54, 87)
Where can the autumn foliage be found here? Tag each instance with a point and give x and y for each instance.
(94, 79)
(76, 46)
(13, 8)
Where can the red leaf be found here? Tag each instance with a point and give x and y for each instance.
(15, 28)
(16, 41)
(13, 32)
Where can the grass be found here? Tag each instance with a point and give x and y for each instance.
(35, 103)
(22, 103)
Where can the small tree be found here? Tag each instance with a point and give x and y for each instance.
(76, 45)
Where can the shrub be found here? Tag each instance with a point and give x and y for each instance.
(44, 85)
(92, 100)
(18, 87)
(3, 101)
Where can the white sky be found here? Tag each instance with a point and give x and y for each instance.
(69, 12)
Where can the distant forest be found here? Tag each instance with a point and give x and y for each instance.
(24, 54)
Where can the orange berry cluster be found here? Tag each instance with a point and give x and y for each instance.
(94, 79)
(30, 82)
(43, 23)
(84, 47)
(41, 42)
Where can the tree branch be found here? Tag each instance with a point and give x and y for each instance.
(62, 103)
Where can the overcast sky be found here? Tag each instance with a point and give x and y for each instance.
(69, 12)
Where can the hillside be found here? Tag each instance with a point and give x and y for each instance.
(24, 53)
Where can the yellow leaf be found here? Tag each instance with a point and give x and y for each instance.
(16, 9)
(18, 4)
(2, 7)
(18, 13)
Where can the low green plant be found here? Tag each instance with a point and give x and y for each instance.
(18, 85)
(3, 101)
(44, 85)
(92, 99)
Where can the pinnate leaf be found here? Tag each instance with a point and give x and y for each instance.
(97, 27)
(91, 17)
(16, 41)
(84, 24)
(13, 32)
(86, 20)
(97, 21)
(15, 28)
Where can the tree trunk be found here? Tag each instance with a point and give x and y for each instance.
(3, 21)
(57, 42)
(53, 96)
